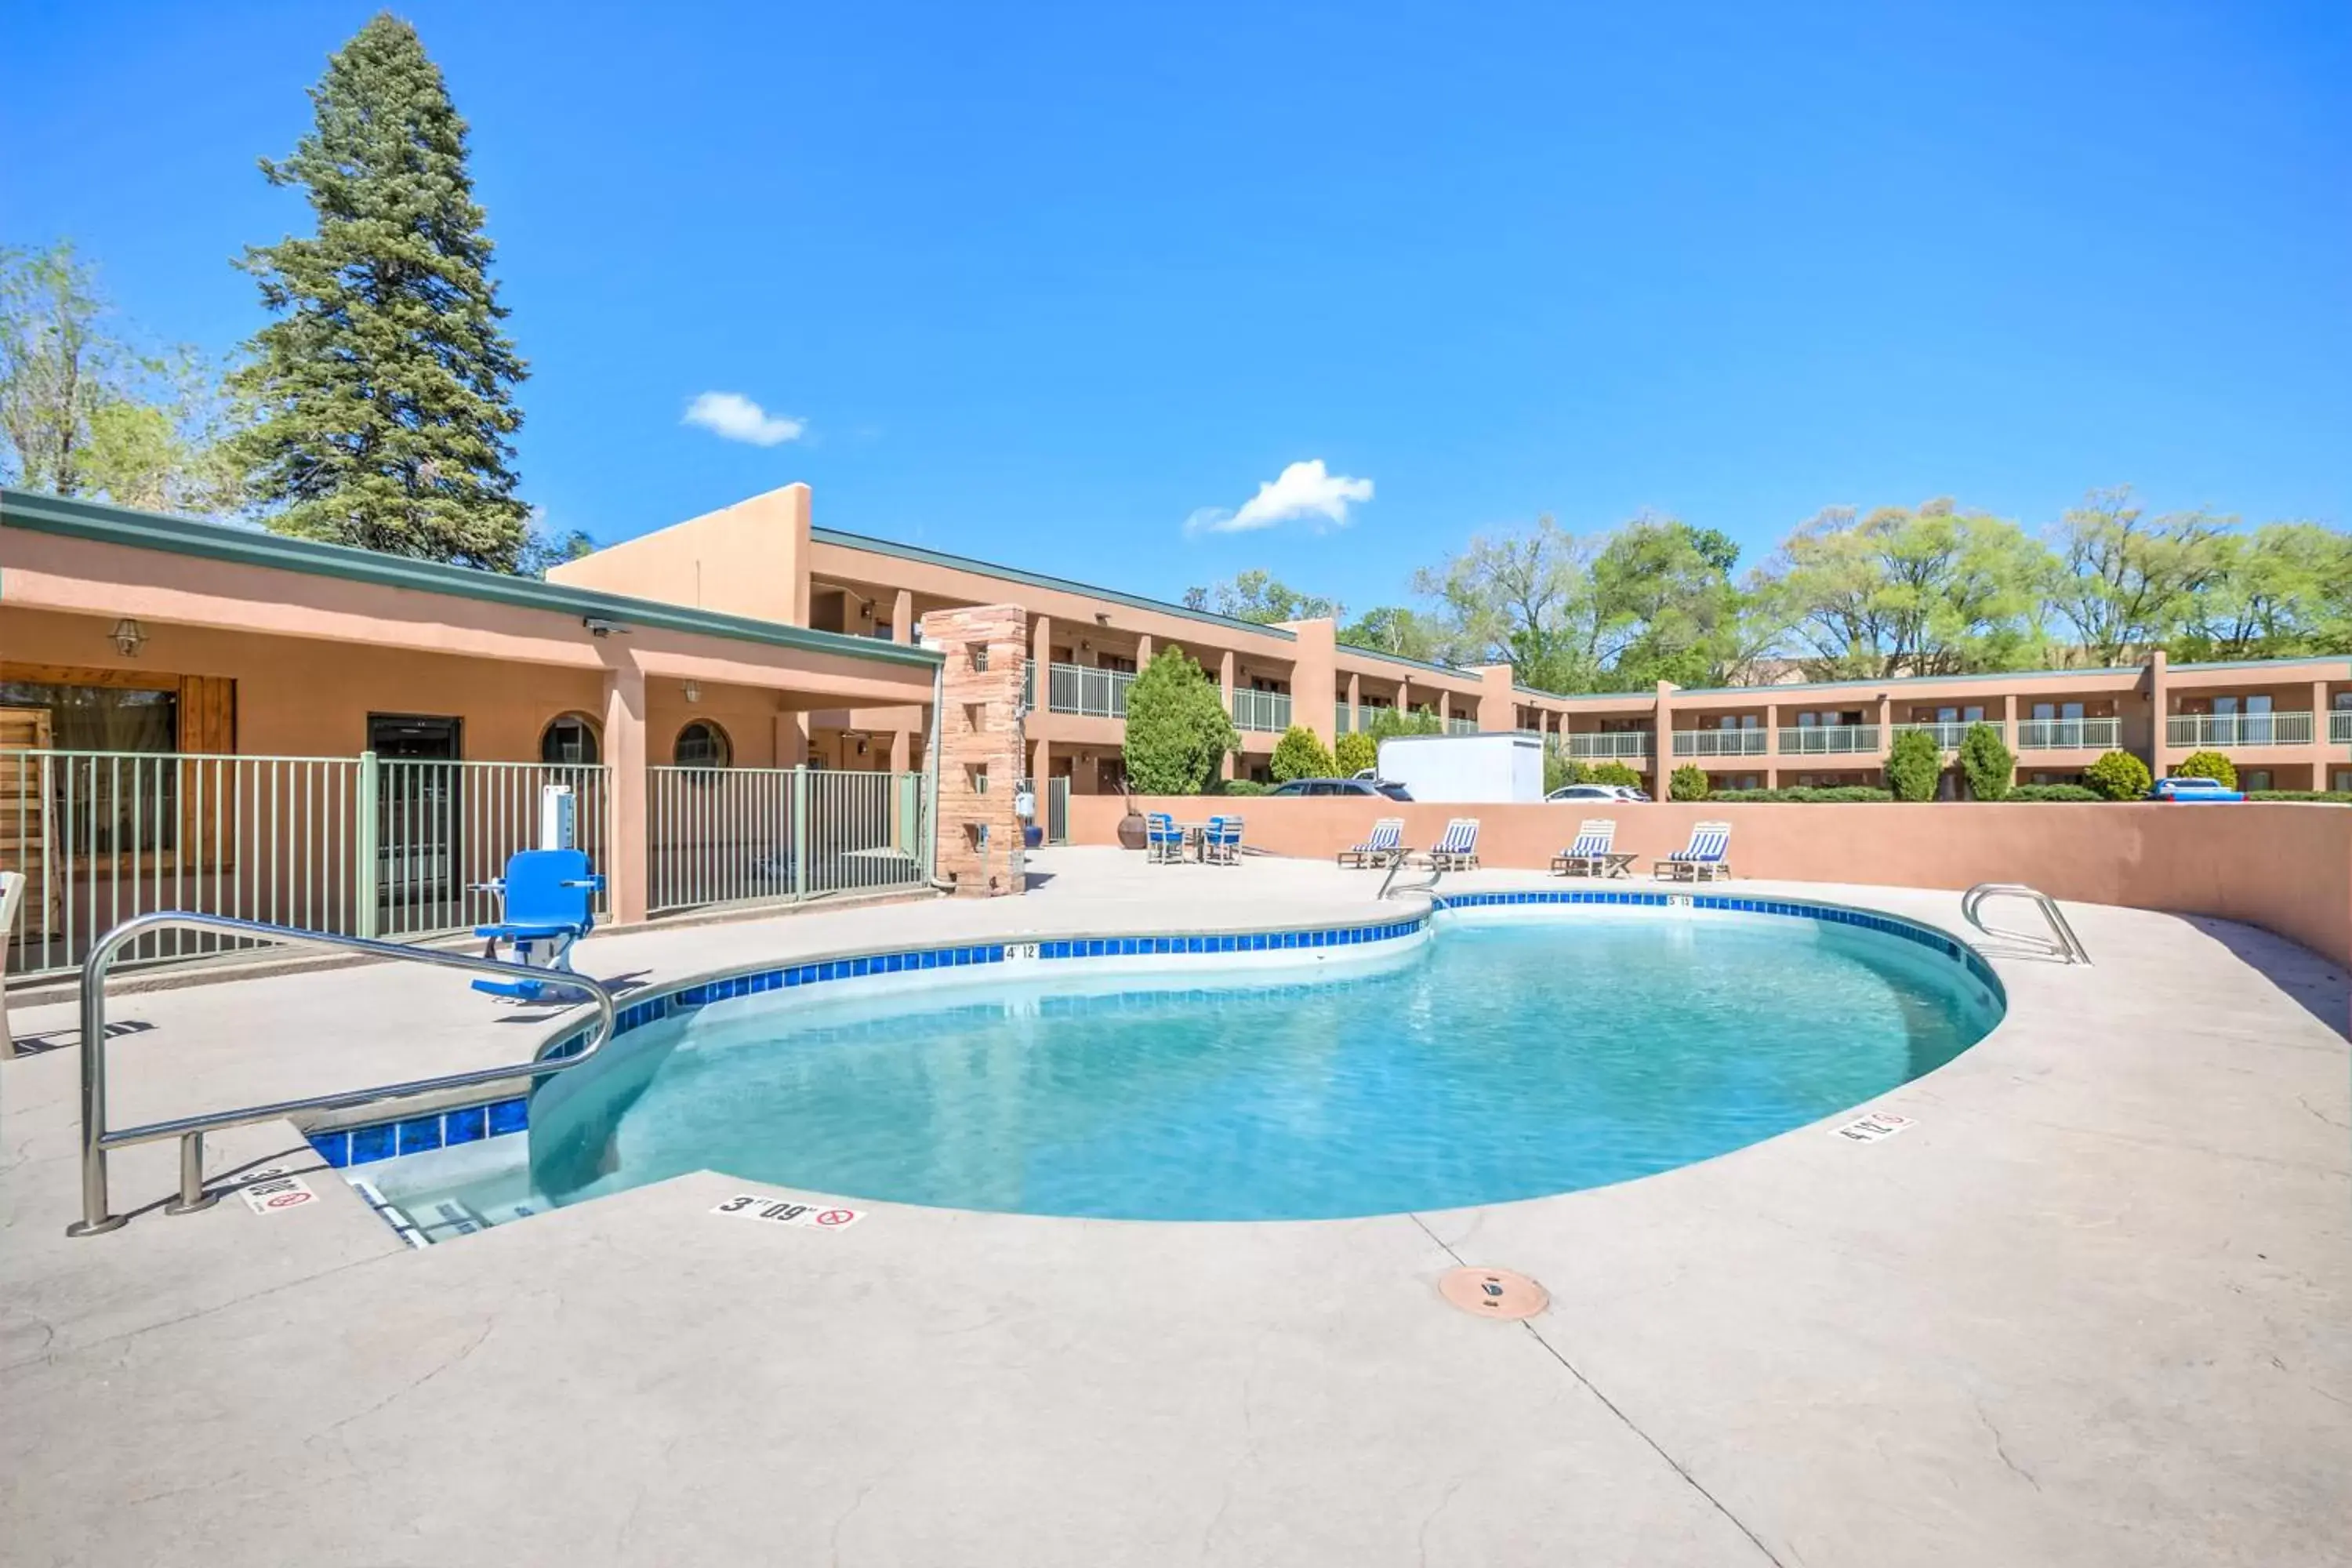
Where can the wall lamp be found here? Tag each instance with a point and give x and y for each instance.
(602, 628)
(129, 637)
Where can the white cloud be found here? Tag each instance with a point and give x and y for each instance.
(1304, 490)
(738, 418)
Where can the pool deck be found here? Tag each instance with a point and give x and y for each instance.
(2094, 1306)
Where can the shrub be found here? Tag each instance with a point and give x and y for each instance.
(1689, 782)
(2330, 796)
(1616, 773)
(1832, 795)
(1914, 764)
(1352, 755)
(1235, 787)
(1987, 764)
(1561, 771)
(1178, 730)
(1299, 754)
(2209, 765)
(1391, 721)
(2118, 775)
(2055, 792)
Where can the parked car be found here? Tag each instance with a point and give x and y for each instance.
(1359, 785)
(1597, 791)
(2185, 790)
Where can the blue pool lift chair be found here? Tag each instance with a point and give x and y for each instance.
(549, 900)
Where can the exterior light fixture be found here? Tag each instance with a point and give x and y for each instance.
(129, 638)
(602, 628)
(693, 692)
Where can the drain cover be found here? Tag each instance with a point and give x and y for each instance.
(1493, 1293)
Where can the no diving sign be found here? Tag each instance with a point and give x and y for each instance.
(785, 1211)
(1870, 1129)
(271, 1191)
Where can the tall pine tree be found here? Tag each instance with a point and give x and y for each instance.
(385, 388)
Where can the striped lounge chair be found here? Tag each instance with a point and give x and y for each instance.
(1703, 858)
(1386, 844)
(1591, 855)
(1458, 851)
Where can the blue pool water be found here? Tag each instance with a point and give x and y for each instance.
(1492, 1062)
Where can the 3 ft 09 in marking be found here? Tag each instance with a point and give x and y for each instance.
(785, 1211)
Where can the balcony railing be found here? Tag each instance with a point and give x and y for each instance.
(1829, 739)
(1457, 725)
(1341, 713)
(2069, 734)
(2238, 729)
(2339, 729)
(1609, 743)
(1720, 743)
(1948, 734)
(1093, 693)
(1260, 709)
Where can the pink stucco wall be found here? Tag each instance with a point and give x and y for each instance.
(2284, 867)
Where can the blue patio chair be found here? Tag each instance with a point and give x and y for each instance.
(1386, 844)
(1703, 858)
(548, 899)
(1593, 854)
(1221, 842)
(1458, 851)
(1163, 841)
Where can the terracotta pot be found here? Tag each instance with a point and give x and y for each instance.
(1130, 831)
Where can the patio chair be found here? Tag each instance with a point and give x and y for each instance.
(547, 900)
(1593, 854)
(1163, 841)
(1386, 844)
(1458, 851)
(1221, 842)
(1702, 859)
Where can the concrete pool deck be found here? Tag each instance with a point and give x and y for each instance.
(2091, 1309)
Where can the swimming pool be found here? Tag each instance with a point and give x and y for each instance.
(1491, 1054)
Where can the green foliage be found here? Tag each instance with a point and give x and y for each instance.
(1561, 771)
(2129, 581)
(1689, 782)
(2208, 765)
(1391, 628)
(84, 410)
(1178, 730)
(2118, 775)
(2327, 796)
(1615, 773)
(1663, 605)
(1235, 787)
(384, 390)
(1834, 796)
(1987, 762)
(1352, 753)
(1299, 754)
(2055, 792)
(1389, 722)
(1258, 596)
(1913, 763)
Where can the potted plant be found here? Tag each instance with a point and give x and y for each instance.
(1131, 827)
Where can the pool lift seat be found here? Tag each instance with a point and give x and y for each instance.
(547, 900)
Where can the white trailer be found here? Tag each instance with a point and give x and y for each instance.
(1492, 770)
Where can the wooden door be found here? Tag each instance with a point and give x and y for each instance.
(27, 822)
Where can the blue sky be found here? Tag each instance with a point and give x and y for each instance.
(1040, 284)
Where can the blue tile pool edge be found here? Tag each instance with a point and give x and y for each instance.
(364, 1144)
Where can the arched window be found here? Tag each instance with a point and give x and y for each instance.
(702, 744)
(570, 740)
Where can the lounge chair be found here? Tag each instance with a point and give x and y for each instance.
(1458, 851)
(1386, 844)
(1593, 854)
(546, 903)
(1163, 841)
(1221, 841)
(1702, 859)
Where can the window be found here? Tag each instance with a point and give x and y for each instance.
(702, 744)
(2255, 778)
(570, 740)
(101, 718)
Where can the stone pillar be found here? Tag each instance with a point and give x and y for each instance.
(983, 747)
(902, 617)
(625, 862)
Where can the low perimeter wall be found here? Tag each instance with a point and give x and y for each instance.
(2284, 867)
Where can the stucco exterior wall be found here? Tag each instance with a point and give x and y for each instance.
(749, 559)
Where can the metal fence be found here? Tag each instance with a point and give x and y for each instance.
(1256, 710)
(2238, 729)
(722, 836)
(444, 829)
(2339, 728)
(1720, 743)
(1455, 725)
(1609, 743)
(1083, 689)
(2068, 734)
(1829, 740)
(1948, 734)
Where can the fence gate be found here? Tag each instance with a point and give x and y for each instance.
(1058, 810)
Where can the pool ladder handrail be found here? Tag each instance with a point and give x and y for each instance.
(1397, 865)
(2062, 943)
(96, 1139)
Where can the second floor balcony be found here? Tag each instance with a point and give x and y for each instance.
(2238, 729)
(2069, 734)
(2339, 728)
(1829, 740)
(1609, 743)
(1260, 709)
(1721, 742)
(1949, 733)
(1457, 725)
(1093, 693)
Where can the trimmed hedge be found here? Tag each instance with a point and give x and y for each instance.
(2327, 796)
(2053, 792)
(1235, 786)
(1690, 783)
(2208, 765)
(1835, 795)
(2120, 775)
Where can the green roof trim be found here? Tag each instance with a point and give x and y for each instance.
(2346, 660)
(1469, 675)
(109, 524)
(1038, 580)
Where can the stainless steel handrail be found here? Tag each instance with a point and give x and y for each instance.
(1398, 865)
(96, 1140)
(2064, 943)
